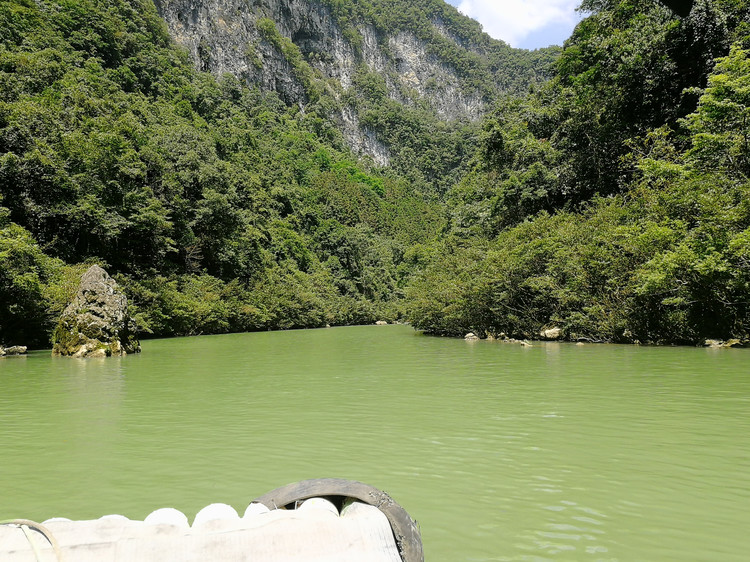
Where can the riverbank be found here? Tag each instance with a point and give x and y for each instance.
(469, 336)
(555, 334)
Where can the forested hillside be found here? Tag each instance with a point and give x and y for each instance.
(405, 82)
(611, 201)
(217, 207)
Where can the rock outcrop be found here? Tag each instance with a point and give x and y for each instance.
(224, 37)
(281, 45)
(725, 344)
(554, 333)
(13, 350)
(96, 323)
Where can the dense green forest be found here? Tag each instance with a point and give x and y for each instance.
(218, 208)
(612, 203)
(611, 200)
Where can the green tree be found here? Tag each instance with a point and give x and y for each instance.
(24, 270)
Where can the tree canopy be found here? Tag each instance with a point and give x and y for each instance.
(612, 203)
(611, 200)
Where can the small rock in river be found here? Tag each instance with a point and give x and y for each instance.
(13, 350)
(551, 333)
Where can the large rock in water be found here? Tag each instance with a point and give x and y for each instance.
(96, 323)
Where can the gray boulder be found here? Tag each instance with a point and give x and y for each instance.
(13, 350)
(96, 323)
(554, 333)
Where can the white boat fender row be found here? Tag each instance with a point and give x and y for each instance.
(300, 522)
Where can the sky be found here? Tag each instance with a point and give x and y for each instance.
(528, 24)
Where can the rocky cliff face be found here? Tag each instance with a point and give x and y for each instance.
(308, 43)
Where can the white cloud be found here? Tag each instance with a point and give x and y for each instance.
(513, 20)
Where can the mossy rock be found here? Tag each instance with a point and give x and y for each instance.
(96, 323)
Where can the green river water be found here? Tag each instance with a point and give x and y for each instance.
(553, 452)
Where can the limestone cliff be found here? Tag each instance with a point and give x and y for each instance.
(297, 47)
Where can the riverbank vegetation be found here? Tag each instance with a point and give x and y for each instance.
(611, 201)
